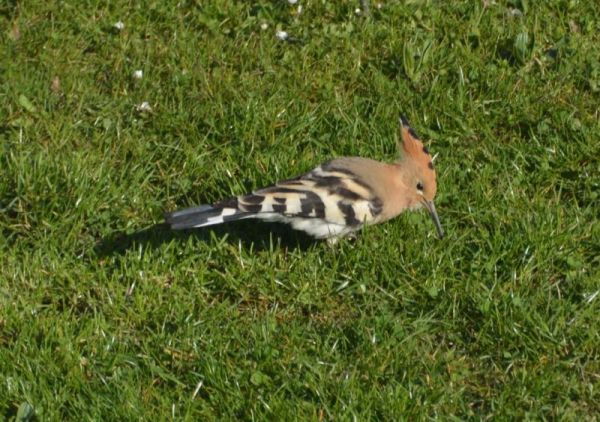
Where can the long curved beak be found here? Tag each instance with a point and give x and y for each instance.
(434, 216)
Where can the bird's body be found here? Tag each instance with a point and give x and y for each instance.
(333, 200)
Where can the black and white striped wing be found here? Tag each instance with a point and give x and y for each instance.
(325, 202)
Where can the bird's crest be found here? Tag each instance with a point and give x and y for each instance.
(412, 146)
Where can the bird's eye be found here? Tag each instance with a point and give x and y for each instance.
(419, 186)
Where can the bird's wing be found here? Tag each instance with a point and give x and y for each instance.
(331, 192)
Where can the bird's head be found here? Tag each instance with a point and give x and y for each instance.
(418, 172)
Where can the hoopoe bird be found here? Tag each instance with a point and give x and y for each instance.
(336, 198)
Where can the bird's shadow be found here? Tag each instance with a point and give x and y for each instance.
(248, 233)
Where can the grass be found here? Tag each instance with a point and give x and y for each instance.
(105, 315)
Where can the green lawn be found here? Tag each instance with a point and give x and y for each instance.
(107, 315)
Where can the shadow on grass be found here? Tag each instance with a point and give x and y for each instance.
(258, 235)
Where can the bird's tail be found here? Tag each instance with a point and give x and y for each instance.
(206, 215)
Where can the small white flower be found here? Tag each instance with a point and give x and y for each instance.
(138, 74)
(144, 107)
(379, 5)
(119, 25)
(282, 35)
(292, 1)
(515, 13)
(357, 11)
(264, 26)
